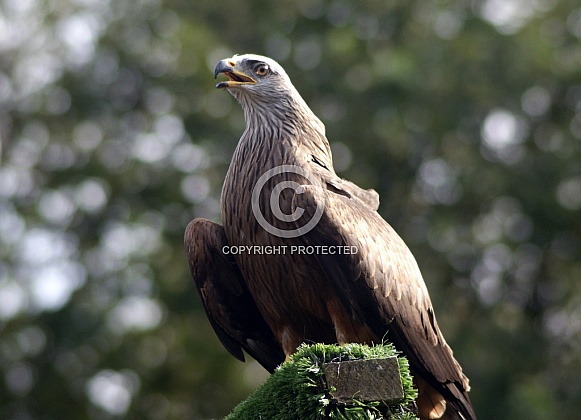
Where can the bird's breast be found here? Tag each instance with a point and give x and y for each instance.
(284, 278)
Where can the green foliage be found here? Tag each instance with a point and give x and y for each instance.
(297, 388)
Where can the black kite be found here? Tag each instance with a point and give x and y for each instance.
(270, 281)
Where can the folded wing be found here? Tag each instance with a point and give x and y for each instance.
(378, 280)
(228, 304)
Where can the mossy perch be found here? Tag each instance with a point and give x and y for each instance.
(301, 388)
(364, 380)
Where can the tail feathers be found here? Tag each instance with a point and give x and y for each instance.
(459, 406)
(432, 405)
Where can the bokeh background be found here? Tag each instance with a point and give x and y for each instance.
(464, 115)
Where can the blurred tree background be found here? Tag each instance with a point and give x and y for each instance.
(465, 115)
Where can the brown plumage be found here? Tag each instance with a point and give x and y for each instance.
(369, 289)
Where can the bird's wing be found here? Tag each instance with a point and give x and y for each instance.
(378, 279)
(341, 186)
(369, 198)
(226, 298)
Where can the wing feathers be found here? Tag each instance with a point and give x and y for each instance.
(384, 286)
(228, 304)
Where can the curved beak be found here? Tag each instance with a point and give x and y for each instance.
(235, 77)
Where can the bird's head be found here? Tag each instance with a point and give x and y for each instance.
(266, 93)
(252, 76)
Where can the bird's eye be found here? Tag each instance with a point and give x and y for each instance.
(262, 70)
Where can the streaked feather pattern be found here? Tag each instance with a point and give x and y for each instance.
(293, 298)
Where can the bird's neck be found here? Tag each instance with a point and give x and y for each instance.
(269, 126)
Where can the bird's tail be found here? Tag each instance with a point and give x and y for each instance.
(432, 405)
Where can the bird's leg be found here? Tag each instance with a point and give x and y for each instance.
(346, 330)
(289, 342)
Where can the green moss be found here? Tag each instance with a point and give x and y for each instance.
(297, 388)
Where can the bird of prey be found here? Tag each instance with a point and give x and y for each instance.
(270, 280)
